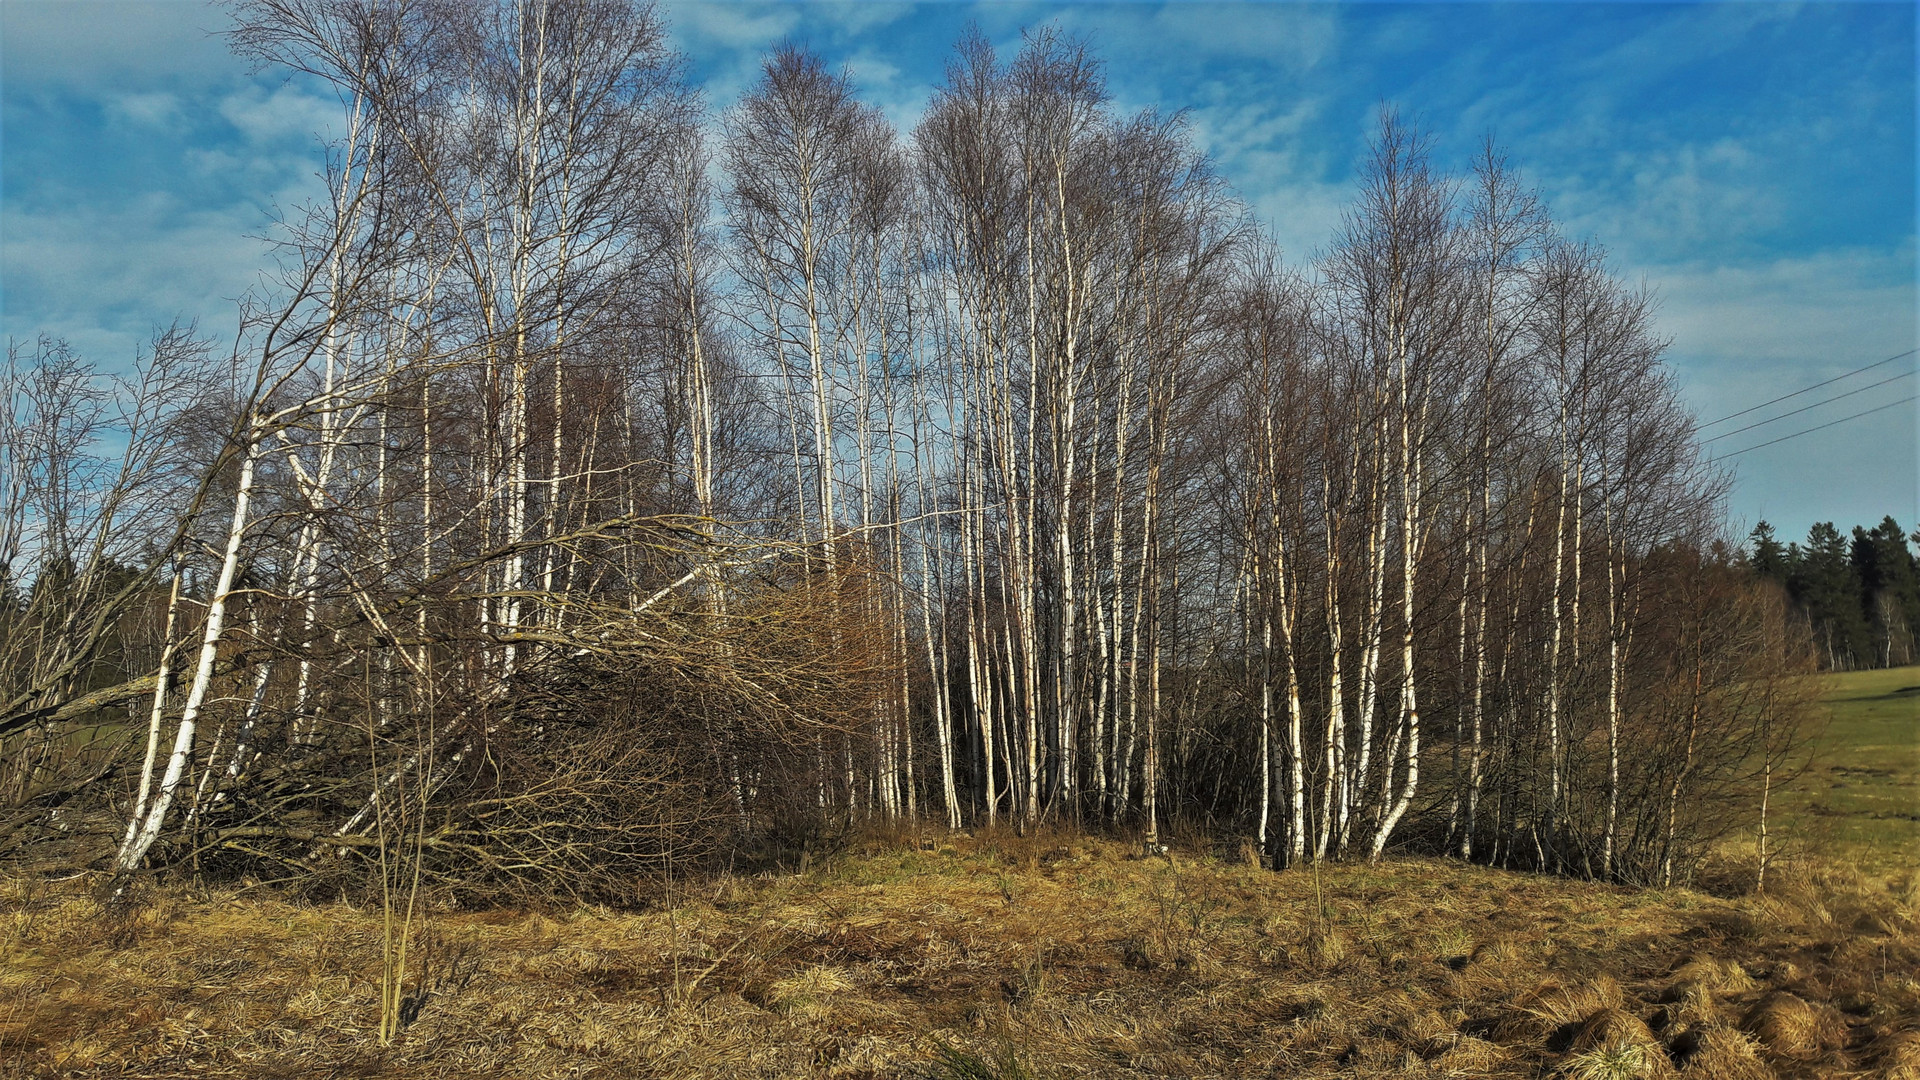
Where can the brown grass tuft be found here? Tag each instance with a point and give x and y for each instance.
(1688, 1006)
(1907, 892)
(1424, 1027)
(1900, 1056)
(1791, 1027)
(1714, 974)
(1468, 1056)
(1723, 1054)
(1504, 952)
(1609, 1026)
(1613, 1044)
(810, 992)
(1554, 1007)
(1324, 949)
(1623, 1060)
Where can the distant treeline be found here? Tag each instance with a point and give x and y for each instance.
(1858, 599)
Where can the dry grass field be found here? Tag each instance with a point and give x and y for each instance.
(995, 956)
(1002, 957)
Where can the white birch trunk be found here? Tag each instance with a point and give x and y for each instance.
(142, 840)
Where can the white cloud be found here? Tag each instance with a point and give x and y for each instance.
(708, 23)
(1744, 334)
(1292, 38)
(1665, 201)
(1679, 40)
(726, 41)
(92, 44)
(1782, 322)
(102, 275)
(180, 241)
(1261, 147)
(269, 115)
(157, 109)
(885, 85)
(858, 17)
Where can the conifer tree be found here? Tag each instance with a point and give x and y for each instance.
(1889, 590)
(1826, 585)
(1769, 556)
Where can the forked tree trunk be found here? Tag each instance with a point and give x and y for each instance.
(141, 839)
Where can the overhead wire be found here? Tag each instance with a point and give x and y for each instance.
(1818, 427)
(1806, 389)
(1807, 408)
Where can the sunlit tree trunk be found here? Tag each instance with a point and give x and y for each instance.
(141, 839)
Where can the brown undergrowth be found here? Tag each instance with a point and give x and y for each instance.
(993, 956)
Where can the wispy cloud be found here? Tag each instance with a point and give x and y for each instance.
(1746, 332)
(102, 276)
(106, 44)
(143, 162)
(283, 114)
(155, 109)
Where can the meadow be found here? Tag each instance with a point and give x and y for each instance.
(997, 956)
(1860, 798)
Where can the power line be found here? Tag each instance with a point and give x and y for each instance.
(1815, 386)
(1805, 408)
(1828, 424)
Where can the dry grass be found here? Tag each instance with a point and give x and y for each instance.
(992, 957)
(1791, 1027)
(1719, 1053)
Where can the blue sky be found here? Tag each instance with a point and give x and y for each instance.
(1753, 162)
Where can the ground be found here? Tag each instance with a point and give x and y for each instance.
(1861, 799)
(991, 955)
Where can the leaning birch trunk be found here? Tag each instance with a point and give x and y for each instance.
(243, 738)
(160, 680)
(141, 840)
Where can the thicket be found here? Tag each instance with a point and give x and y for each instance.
(599, 488)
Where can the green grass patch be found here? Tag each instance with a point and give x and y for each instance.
(1860, 801)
